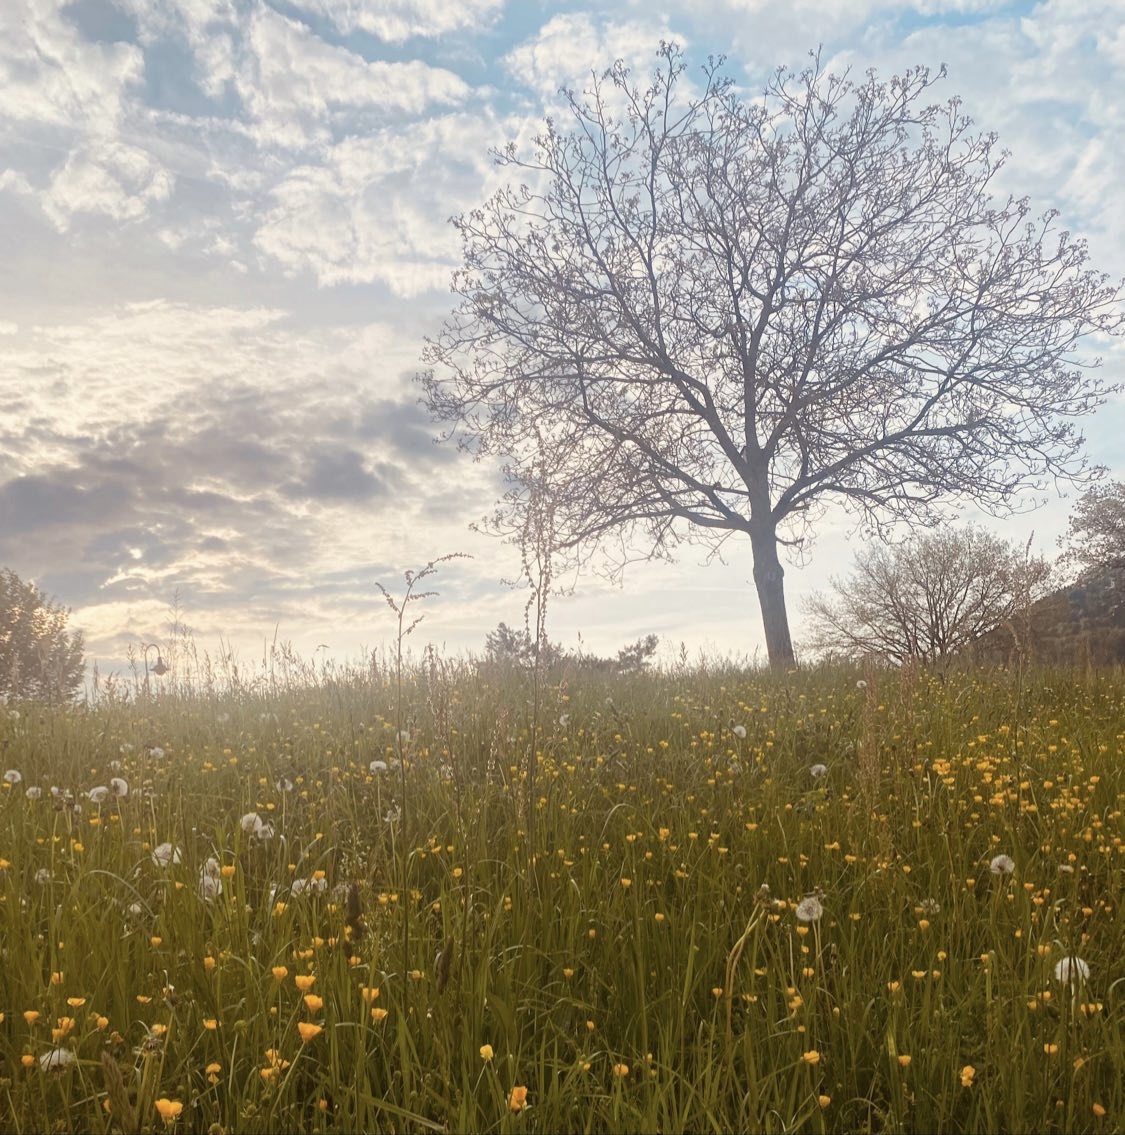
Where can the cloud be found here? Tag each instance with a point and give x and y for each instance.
(565, 50)
(297, 88)
(397, 20)
(220, 451)
(375, 208)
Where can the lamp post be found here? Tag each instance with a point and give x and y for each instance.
(158, 667)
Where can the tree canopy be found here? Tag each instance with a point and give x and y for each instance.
(1095, 537)
(39, 658)
(697, 313)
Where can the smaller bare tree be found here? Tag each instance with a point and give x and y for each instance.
(1095, 538)
(927, 598)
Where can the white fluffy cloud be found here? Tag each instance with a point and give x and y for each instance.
(566, 48)
(375, 209)
(396, 20)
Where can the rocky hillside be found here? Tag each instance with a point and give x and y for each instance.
(1083, 624)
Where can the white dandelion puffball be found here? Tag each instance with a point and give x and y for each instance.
(98, 794)
(209, 887)
(1071, 971)
(166, 854)
(211, 868)
(809, 909)
(57, 1060)
(13, 776)
(43, 876)
(250, 821)
(33, 792)
(263, 831)
(377, 767)
(284, 784)
(403, 736)
(119, 786)
(1002, 865)
(861, 685)
(817, 772)
(564, 719)
(156, 752)
(739, 731)
(312, 885)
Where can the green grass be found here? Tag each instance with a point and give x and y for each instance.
(619, 953)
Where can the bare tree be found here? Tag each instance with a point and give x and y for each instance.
(1095, 537)
(928, 598)
(706, 315)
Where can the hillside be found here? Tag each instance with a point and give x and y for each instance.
(1082, 623)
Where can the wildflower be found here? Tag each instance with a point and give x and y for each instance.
(621, 1071)
(904, 1060)
(33, 792)
(313, 1003)
(378, 1014)
(1002, 865)
(157, 754)
(308, 1031)
(119, 786)
(1071, 971)
(486, 1053)
(809, 909)
(98, 795)
(31, 1016)
(213, 1071)
(280, 973)
(967, 1074)
(304, 981)
(517, 1098)
(57, 1060)
(210, 1024)
(861, 685)
(818, 771)
(811, 1057)
(377, 767)
(824, 1101)
(369, 993)
(169, 1109)
(13, 776)
(1098, 1110)
(284, 784)
(564, 719)
(739, 731)
(165, 854)
(209, 888)
(249, 822)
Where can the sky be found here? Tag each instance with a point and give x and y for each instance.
(224, 238)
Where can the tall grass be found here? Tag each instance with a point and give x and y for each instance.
(646, 966)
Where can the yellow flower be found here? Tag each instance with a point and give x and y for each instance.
(280, 973)
(210, 1023)
(213, 1071)
(369, 993)
(1098, 1110)
(76, 1002)
(824, 1101)
(378, 1014)
(486, 1052)
(31, 1016)
(967, 1074)
(811, 1057)
(313, 1003)
(102, 1023)
(621, 1071)
(904, 1060)
(169, 1109)
(308, 1031)
(304, 981)
(517, 1098)
(227, 870)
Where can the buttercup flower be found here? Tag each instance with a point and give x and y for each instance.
(517, 1098)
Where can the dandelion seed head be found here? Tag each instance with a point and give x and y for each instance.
(739, 731)
(818, 771)
(1002, 865)
(809, 909)
(1071, 971)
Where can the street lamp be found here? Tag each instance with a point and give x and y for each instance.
(158, 667)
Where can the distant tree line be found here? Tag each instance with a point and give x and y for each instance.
(510, 647)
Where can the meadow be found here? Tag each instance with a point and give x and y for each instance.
(717, 900)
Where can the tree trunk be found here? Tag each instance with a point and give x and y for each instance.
(769, 579)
